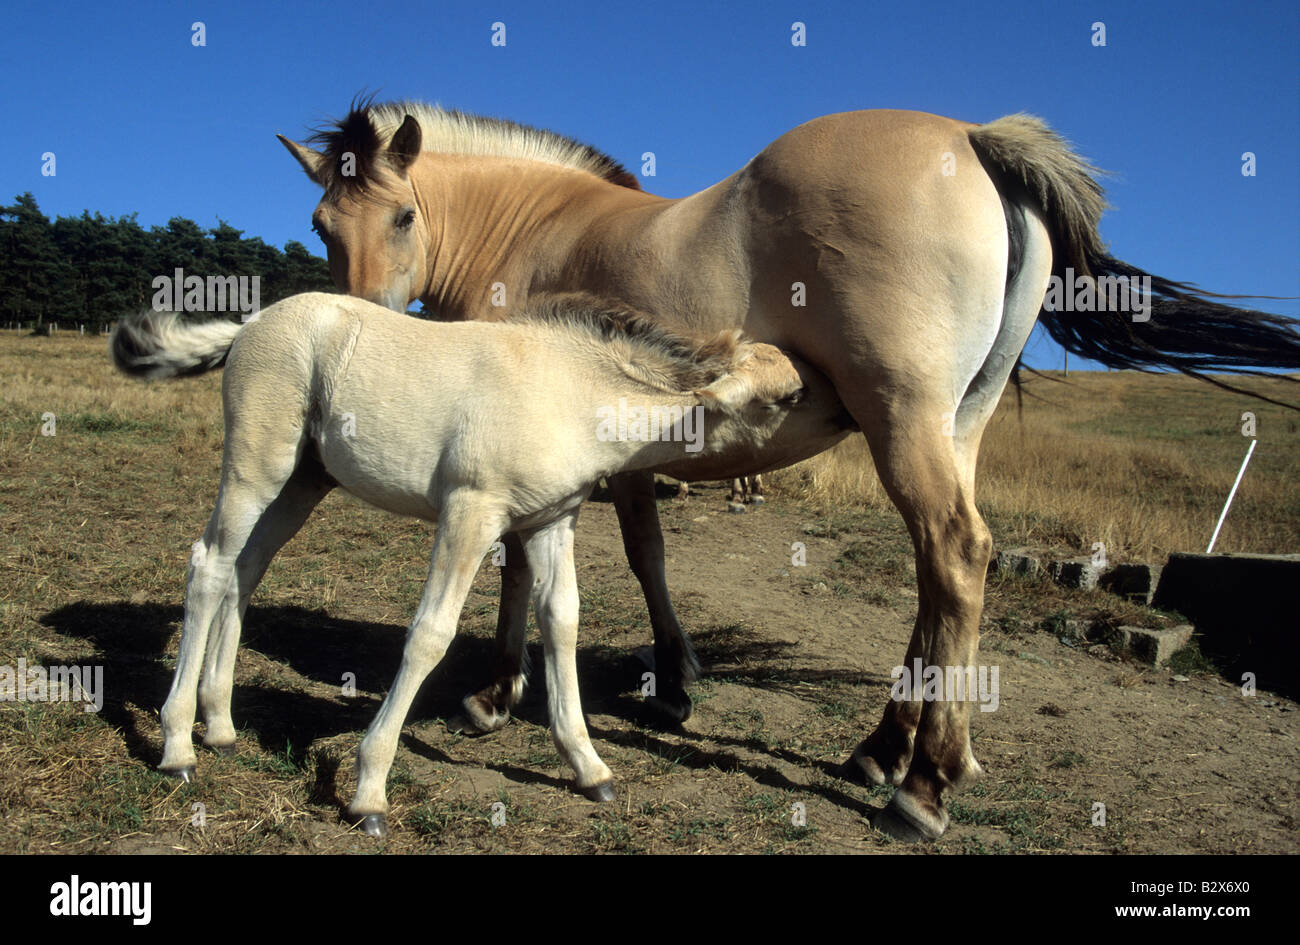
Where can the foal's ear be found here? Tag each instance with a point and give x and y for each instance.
(312, 161)
(405, 146)
(730, 392)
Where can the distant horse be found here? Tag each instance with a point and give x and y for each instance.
(483, 428)
(905, 255)
(745, 490)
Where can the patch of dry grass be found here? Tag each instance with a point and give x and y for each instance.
(1142, 463)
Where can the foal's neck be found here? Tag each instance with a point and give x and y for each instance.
(504, 228)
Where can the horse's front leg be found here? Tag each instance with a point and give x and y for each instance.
(466, 531)
(489, 709)
(643, 541)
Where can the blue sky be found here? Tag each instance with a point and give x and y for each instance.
(143, 121)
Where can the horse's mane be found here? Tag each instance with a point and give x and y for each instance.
(639, 347)
(368, 128)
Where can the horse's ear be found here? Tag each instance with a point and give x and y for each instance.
(405, 146)
(312, 161)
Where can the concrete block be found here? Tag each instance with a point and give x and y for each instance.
(1136, 582)
(1018, 561)
(1153, 647)
(1082, 573)
(1246, 609)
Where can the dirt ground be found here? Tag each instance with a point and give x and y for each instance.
(797, 662)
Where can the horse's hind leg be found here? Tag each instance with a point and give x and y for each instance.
(489, 709)
(920, 471)
(277, 524)
(466, 530)
(555, 599)
(643, 541)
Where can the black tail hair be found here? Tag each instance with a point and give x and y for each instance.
(1185, 331)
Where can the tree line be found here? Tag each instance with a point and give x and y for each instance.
(94, 269)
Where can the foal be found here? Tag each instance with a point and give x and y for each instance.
(485, 428)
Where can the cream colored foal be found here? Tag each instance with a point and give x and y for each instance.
(487, 428)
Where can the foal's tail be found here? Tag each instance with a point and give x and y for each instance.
(160, 344)
(1183, 328)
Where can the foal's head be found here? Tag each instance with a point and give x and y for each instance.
(369, 217)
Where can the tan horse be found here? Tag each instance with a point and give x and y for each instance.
(482, 428)
(905, 255)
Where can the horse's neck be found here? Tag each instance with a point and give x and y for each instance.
(503, 229)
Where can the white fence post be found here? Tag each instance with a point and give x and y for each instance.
(1241, 472)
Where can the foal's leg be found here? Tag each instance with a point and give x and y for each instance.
(643, 541)
(754, 490)
(466, 531)
(675, 663)
(489, 709)
(555, 599)
(240, 504)
(280, 522)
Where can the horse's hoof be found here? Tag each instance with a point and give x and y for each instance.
(852, 772)
(645, 655)
(184, 775)
(756, 500)
(225, 751)
(905, 819)
(736, 507)
(478, 716)
(860, 769)
(674, 708)
(601, 793)
(374, 825)
(462, 723)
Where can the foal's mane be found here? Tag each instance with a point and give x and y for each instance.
(632, 343)
(368, 128)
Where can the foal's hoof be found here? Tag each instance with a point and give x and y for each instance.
(600, 793)
(184, 775)
(374, 825)
(906, 819)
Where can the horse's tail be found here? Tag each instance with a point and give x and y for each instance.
(1177, 326)
(160, 344)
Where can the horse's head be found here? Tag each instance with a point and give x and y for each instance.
(369, 218)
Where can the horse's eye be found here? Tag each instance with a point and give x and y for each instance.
(406, 220)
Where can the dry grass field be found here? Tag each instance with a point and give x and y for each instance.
(1140, 462)
(97, 521)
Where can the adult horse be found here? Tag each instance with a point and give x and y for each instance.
(904, 255)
